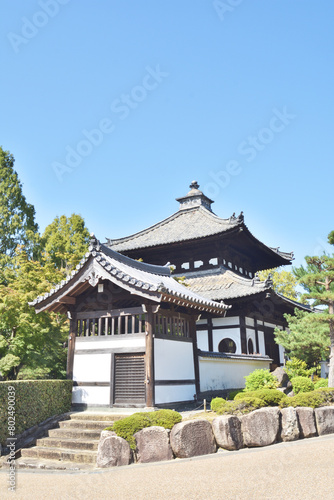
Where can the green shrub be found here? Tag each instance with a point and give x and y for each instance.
(297, 368)
(240, 407)
(260, 379)
(128, 426)
(232, 394)
(302, 384)
(270, 397)
(216, 403)
(327, 393)
(35, 401)
(322, 382)
(311, 399)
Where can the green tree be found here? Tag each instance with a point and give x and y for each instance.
(31, 345)
(17, 217)
(318, 280)
(284, 282)
(306, 339)
(65, 242)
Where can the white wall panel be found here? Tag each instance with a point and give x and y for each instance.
(111, 342)
(174, 393)
(173, 360)
(250, 334)
(262, 345)
(202, 340)
(233, 320)
(92, 367)
(230, 333)
(219, 374)
(91, 395)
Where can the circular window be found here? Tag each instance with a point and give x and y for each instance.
(227, 345)
(250, 346)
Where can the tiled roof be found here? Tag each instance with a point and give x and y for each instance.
(154, 282)
(222, 284)
(187, 224)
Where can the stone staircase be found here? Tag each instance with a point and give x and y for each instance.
(72, 446)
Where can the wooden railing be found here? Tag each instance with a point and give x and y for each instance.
(107, 323)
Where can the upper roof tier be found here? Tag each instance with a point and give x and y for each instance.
(195, 221)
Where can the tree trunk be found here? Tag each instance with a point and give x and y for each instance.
(331, 356)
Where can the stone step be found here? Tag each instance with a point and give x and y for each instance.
(70, 443)
(47, 464)
(96, 416)
(75, 433)
(86, 424)
(62, 454)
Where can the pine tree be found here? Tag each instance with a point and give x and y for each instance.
(318, 280)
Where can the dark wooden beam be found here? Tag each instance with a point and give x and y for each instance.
(193, 335)
(243, 336)
(67, 300)
(71, 346)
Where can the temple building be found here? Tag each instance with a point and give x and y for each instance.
(142, 335)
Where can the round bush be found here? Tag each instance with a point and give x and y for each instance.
(232, 394)
(216, 403)
(322, 382)
(240, 407)
(311, 399)
(260, 379)
(270, 397)
(302, 384)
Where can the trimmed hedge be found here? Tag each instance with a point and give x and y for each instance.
(35, 401)
(128, 426)
(313, 399)
(270, 397)
(236, 407)
(216, 403)
(322, 382)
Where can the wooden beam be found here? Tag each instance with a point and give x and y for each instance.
(71, 346)
(243, 336)
(149, 357)
(193, 335)
(67, 300)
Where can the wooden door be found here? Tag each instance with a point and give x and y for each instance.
(129, 385)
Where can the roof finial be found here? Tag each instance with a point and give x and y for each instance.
(194, 185)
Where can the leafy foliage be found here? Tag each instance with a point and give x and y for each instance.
(284, 282)
(322, 382)
(65, 242)
(30, 342)
(246, 405)
(297, 368)
(302, 384)
(17, 217)
(312, 399)
(259, 379)
(128, 426)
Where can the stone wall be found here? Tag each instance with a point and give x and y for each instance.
(200, 437)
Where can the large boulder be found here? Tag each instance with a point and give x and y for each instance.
(192, 438)
(281, 375)
(260, 427)
(324, 418)
(227, 431)
(112, 450)
(153, 445)
(306, 422)
(290, 428)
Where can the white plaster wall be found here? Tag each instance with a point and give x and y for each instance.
(250, 334)
(91, 395)
(262, 345)
(173, 360)
(281, 353)
(219, 374)
(232, 320)
(92, 367)
(174, 393)
(230, 333)
(249, 321)
(270, 325)
(202, 322)
(202, 340)
(113, 342)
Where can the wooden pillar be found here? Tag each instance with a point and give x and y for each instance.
(210, 337)
(192, 327)
(243, 336)
(149, 357)
(71, 345)
(256, 337)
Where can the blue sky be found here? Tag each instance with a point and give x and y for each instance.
(112, 108)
